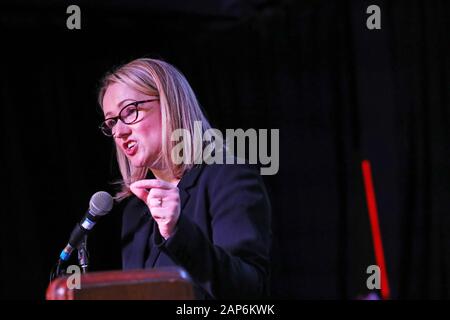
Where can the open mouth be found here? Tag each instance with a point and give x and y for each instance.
(130, 147)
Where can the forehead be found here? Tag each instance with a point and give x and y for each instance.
(118, 95)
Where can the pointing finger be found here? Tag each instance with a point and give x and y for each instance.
(153, 183)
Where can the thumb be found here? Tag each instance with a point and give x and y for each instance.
(140, 192)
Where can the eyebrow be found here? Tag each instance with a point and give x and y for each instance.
(121, 103)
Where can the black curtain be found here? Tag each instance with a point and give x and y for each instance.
(337, 91)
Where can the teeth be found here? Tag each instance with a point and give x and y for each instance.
(131, 144)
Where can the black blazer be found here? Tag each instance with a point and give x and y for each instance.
(223, 234)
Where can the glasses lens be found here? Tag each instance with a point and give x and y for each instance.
(107, 127)
(129, 114)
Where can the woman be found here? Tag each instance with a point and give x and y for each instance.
(212, 220)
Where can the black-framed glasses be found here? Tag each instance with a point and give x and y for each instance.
(129, 114)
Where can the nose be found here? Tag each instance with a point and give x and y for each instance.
(121, 130)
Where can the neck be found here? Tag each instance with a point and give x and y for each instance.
(165, 175)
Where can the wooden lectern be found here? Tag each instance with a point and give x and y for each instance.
(151, 284)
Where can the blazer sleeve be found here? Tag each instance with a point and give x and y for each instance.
(233, 262)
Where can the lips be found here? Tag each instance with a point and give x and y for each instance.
(130, 147)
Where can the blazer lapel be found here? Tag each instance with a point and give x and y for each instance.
(188, 181)
(184, 197)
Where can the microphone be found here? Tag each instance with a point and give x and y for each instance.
(99, 205)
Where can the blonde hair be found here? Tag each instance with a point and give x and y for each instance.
(179, 110)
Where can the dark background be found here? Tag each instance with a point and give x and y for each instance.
(338, 92)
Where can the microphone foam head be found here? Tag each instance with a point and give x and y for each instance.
(101, 203)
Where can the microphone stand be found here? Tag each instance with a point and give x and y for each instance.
(83, 260)
(83, 255)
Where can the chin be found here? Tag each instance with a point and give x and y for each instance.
(144, 163)
(137, 163)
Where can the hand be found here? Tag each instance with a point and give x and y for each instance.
(163, 200)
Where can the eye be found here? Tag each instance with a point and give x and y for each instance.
(129, 114)
(128, 111)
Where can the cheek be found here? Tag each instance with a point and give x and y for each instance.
(150, 132)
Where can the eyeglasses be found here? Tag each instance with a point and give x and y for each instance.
(128, 115)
